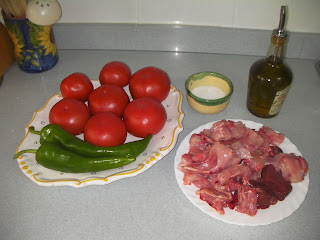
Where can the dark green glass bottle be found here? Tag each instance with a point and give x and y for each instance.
(270, 78)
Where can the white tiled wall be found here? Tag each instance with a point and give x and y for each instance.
(303, 15)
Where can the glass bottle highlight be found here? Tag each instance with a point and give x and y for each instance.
(270, 78)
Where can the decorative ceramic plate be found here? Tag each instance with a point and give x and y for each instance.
(160, 145)
(270, 215)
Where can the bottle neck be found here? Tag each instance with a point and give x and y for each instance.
(275, 52)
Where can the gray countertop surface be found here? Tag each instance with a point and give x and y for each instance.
(150, 205)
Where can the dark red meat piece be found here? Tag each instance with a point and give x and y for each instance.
(273, 183)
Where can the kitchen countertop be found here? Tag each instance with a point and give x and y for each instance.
(150, 205)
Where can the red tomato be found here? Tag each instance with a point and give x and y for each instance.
(106, 130)
(77, 85)
(144, 116)
(70, 114)
(115, 73)
(108, 98)
(150, 82)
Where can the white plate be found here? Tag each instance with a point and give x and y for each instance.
(160, 145)
(270, 215)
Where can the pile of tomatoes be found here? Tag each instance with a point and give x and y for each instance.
(105, 114)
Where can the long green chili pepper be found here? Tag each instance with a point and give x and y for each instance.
(56, 134)
(55, 157)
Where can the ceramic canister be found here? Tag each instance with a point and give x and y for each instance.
(34, 45)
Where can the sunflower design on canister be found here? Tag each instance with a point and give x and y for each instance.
(35, 49)
(17, 46)
(46, 39)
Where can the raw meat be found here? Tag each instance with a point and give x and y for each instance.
(272, 186)
(240, 168)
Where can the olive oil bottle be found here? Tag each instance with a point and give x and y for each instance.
(270, 78)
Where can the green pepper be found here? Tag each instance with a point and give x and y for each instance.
(56, 134)
(55, 157)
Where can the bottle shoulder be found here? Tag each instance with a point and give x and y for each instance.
(271, 69)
